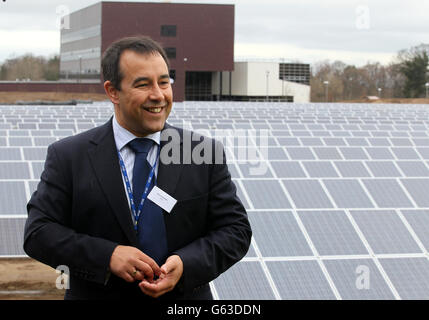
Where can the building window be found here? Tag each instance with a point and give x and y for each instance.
(171, 53)
(168, 31)
(295, 72)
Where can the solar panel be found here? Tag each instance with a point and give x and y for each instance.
(424, 152)
(229, 285)
(383, 169)
(34, 153)
(320, 169)
(332, 233)
(276, 154)
(311, 141)
(387, 193)
(11, 236)
(348, 193)
(409, 276)
(379, 142)
(338, 192)
(379, 153)
(300, 280)
(12, 170)
(418, 220)
(413, 168)
(334, 141)
(352, 169)
(7, 153)
(246, 170)
(343, 273)
(300, 153)
(275, 199)
(417, 188)
(18, 141)
(278, 227)
(353, 153)
(327, 153)
(12, 198)
(386, 233)
(405, 153)
(37, 167)
(307, 194)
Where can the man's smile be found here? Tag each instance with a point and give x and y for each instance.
(154, 110)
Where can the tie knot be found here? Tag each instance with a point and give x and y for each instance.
(141, 145)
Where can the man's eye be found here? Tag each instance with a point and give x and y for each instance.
(141, 85)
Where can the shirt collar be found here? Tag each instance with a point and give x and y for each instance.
(123, 136)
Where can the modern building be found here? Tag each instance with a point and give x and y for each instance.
(264, 81)
(198, 39)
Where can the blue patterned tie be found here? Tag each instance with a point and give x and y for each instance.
(151, 232)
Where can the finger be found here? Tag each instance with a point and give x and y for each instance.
(167, 267)
(145, 290)
(144, 268)
(164, 269)
(127, 277)
(162, 276)
(152, 264)
(153, 289)
(172, 263)
(138, 275)
(160, 285)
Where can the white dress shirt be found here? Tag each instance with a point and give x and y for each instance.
(122, 138)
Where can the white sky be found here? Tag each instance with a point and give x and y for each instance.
(354, 31)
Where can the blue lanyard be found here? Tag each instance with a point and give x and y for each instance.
(136, 213)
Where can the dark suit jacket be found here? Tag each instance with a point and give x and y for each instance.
(80, 213)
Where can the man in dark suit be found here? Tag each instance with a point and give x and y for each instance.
(122, 240)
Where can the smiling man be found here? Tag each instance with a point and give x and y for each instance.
(127, 224)
(143, 98)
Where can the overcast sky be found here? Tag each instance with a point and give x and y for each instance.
(354, 31)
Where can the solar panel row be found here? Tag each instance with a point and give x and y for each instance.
(336, 193)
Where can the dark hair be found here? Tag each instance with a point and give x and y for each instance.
(139, 44)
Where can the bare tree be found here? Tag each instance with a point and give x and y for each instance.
(29, 67)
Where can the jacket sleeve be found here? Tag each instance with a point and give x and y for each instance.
(228, 237)
(48, 236)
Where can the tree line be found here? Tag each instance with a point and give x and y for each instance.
(404, 78)
(330, 81)
(30, 67)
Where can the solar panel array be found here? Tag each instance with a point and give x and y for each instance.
(336, 193)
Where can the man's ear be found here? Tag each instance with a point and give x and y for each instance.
(111, 92)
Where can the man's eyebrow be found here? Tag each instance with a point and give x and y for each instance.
(137, 80)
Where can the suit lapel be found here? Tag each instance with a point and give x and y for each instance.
(105, 162)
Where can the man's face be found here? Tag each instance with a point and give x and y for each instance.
(145, 99)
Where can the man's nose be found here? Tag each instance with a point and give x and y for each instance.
(156, 92)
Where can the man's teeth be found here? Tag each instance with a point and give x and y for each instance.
(154, 110)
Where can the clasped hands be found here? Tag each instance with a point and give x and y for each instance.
(131, 264)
